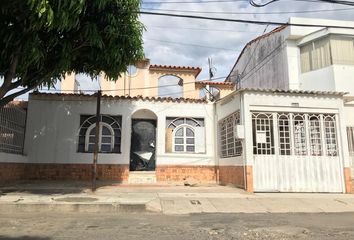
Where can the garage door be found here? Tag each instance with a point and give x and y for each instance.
(296, 152)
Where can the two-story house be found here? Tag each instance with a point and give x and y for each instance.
(302, 58)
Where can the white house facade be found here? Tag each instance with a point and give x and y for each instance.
(302, 58)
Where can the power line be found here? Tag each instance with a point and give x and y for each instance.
(203, 29)
(192, 44)
(243, 20)
(249, 13)
(187, 2)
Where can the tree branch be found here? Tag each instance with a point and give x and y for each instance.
(9, 75)
(10, 97)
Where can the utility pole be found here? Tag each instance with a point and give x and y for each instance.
(97, 135)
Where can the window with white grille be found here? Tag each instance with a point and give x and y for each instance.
(300, 134)
(350, 135)
(300, 147)
(188, 134)
(330, 135)
(284, 134)
(315, 135)
(229, 145)
(263, 139)
(109, 139)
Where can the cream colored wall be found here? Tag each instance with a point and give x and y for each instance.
(145, 83)
(68, 85)
(224, 90)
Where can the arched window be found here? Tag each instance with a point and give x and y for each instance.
(109, 134)
(170, 86)
(184, 139)
(187, 134)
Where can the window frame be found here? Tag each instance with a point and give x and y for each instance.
(88, 135)
(88, 123)
(184, 137)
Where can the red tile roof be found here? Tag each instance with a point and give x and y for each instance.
(197, 70)
(151, 99)
(230, 84)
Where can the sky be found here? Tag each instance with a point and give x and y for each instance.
(190, 42)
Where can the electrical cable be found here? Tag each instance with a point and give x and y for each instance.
(243, 20)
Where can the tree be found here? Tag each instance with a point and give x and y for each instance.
(41, 40)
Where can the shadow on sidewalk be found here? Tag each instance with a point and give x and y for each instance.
(3, 237)
(41, 187)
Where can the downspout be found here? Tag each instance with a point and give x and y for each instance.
(242, 112)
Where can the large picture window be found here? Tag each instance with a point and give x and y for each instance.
(109, 134)
(229, 145)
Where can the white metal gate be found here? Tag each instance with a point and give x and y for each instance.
(297, 174)
(295, 153)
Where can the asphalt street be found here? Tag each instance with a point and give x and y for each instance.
(86, 226)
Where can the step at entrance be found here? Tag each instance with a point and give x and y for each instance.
(142, 177)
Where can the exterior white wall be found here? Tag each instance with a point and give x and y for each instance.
(344, 78)
(263, 64)
(224, 108)
(12, 158)
(349, 114)
(338, 78)
(319, 80)
(258, 101)
(53, 133)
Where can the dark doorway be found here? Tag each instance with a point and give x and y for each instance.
(143, 144)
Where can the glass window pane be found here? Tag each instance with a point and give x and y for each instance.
(106, 140)
(179, 132)
(190, 140)
(105, 147)
(179, 141)
(190, 148)
(190, 133)
(91, 147)
(91, 139)
(105, 131)
(179, 148)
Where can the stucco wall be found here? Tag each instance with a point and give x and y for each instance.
(53, 133)
(224, 108)
(264, 64)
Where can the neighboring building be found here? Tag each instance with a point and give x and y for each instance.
(302, 58)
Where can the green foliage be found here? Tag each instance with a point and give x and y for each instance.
(41, 40)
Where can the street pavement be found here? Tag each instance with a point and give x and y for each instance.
(157, 226)
(110, 197)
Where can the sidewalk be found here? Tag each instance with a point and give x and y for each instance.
(166, 199)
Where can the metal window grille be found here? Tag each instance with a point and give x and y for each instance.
(330, 135)
(109, 134)
(315, 135)
(300, 147)
(350, 135)
(229, 145)
(12, 129)
(263, 140)
(284, 134)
